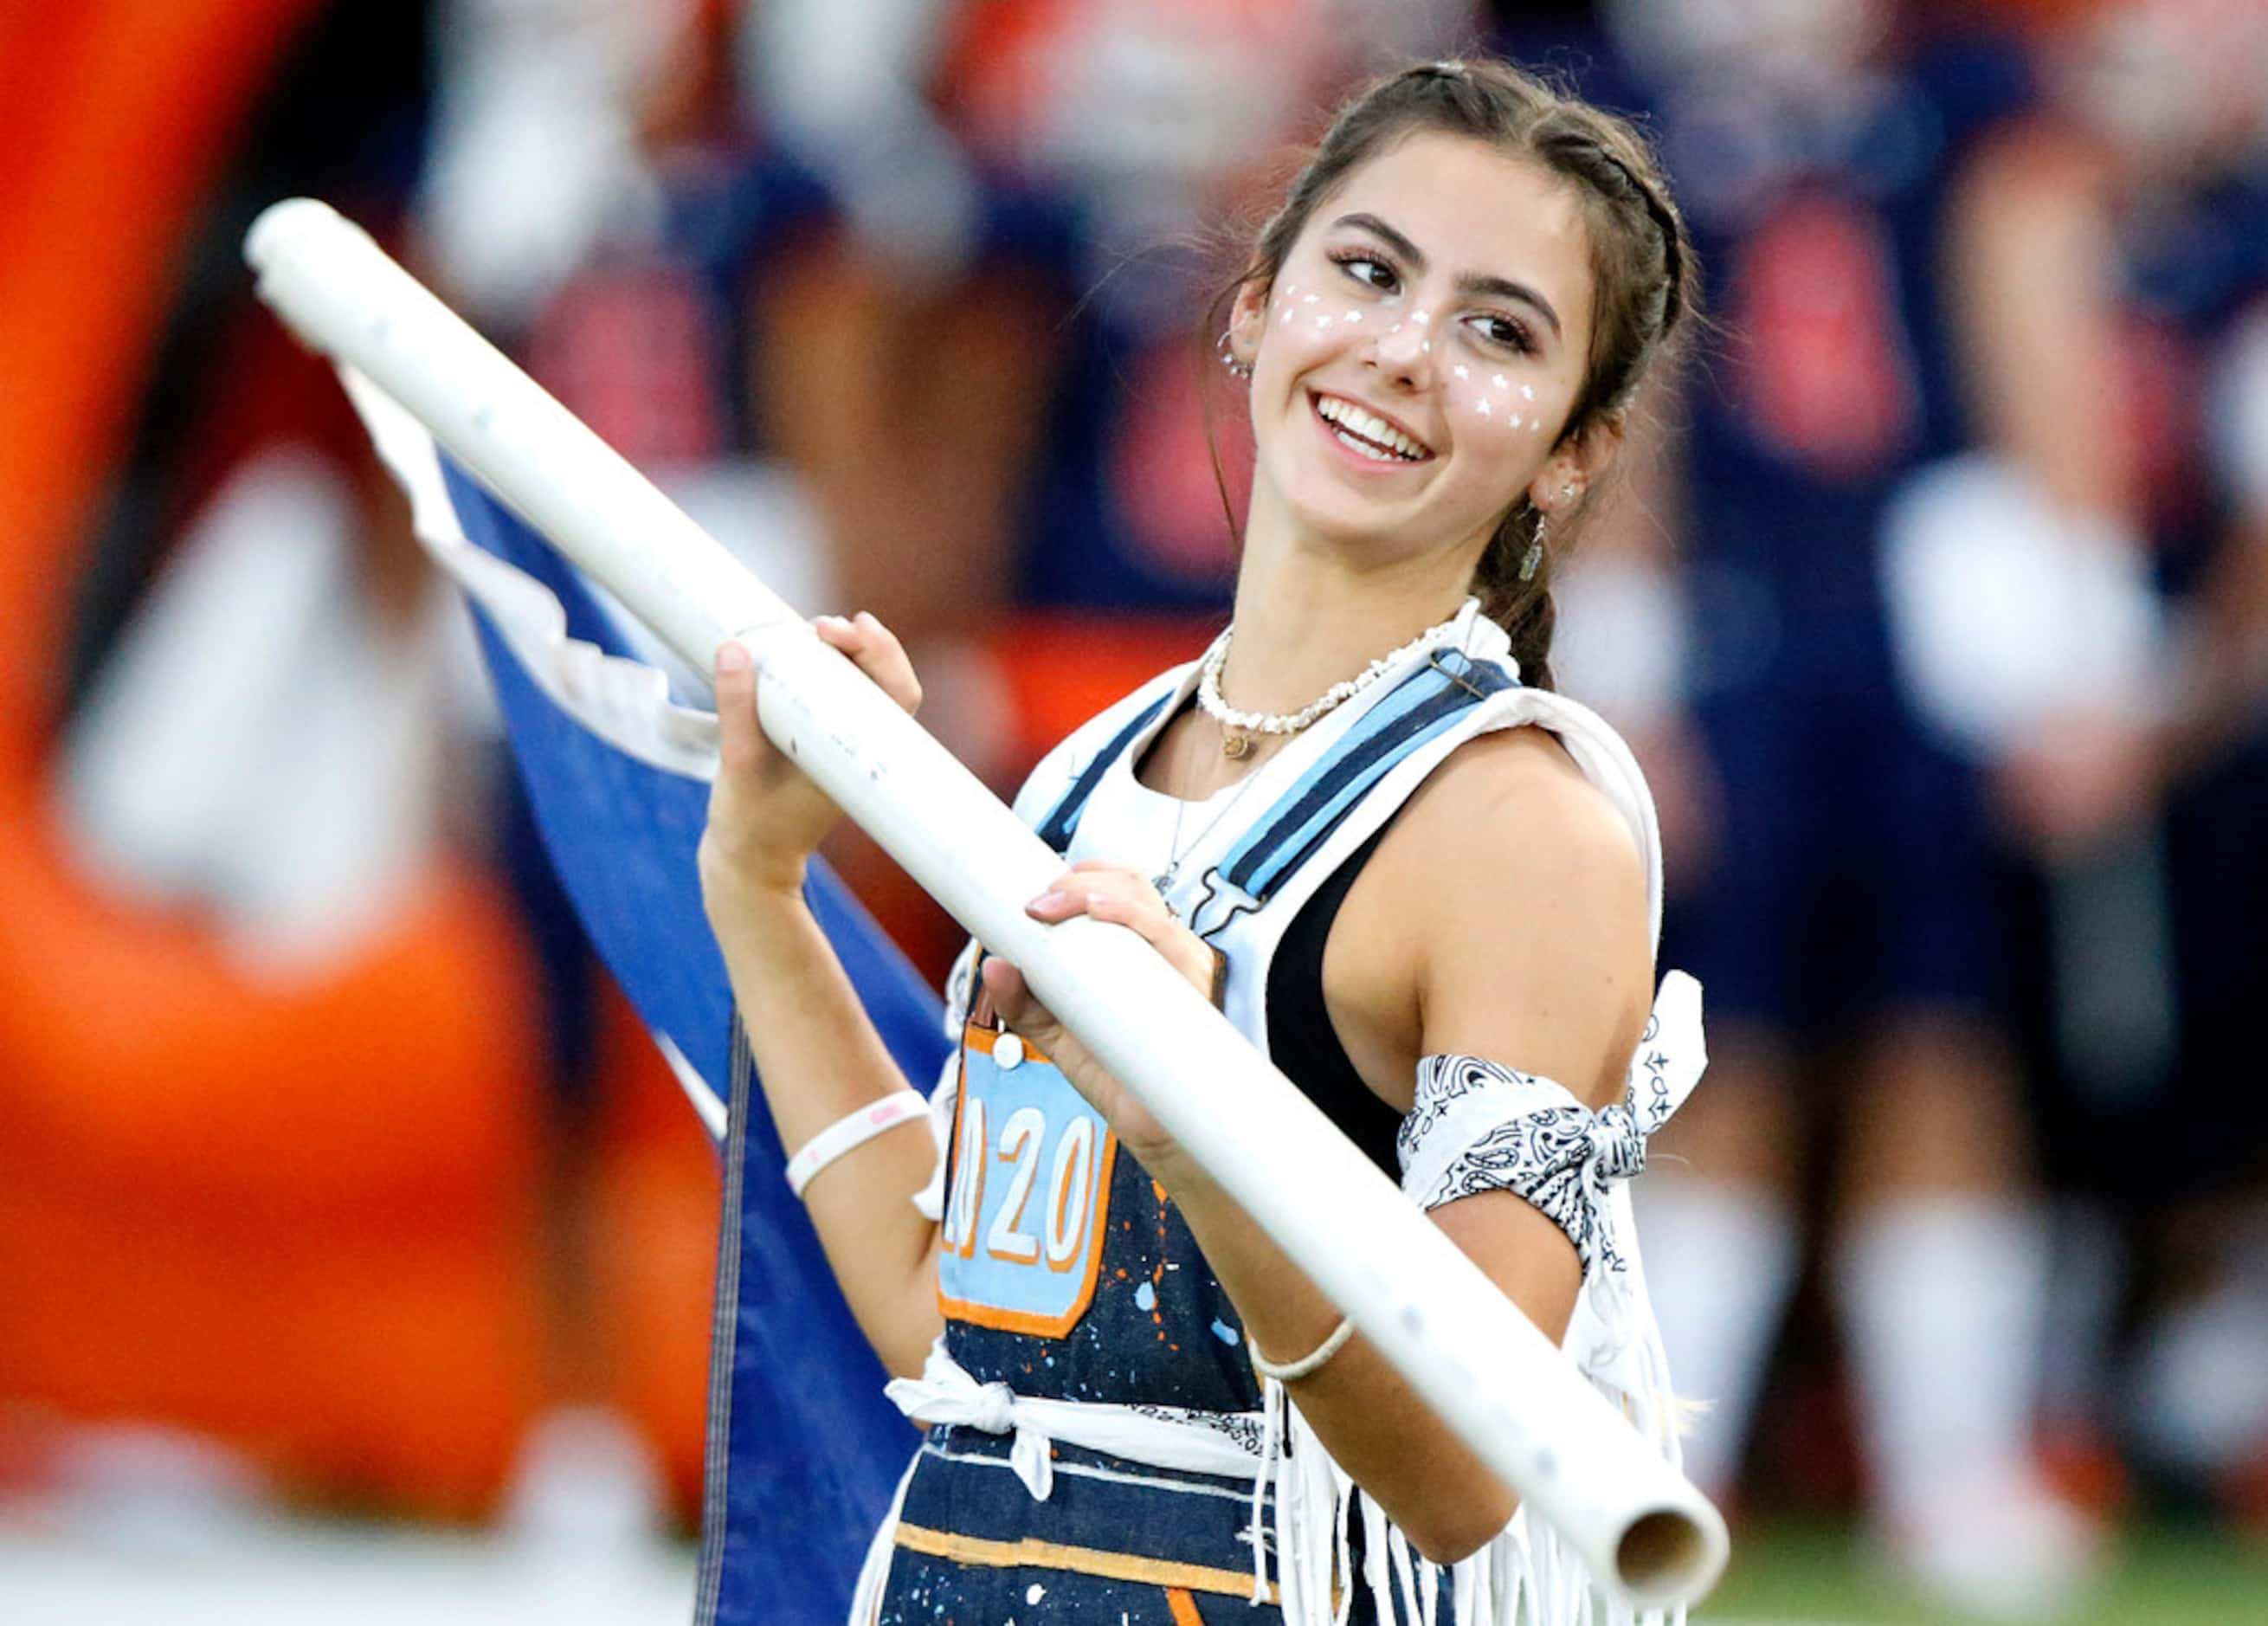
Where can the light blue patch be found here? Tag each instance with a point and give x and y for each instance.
(1029, 1199)
(1226, 1333)
(1146, 1297)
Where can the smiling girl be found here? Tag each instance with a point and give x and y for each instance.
(1426, 886)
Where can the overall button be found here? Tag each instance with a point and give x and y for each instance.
(1007, 1052)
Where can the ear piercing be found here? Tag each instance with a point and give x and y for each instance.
(1237, 365)
(1533, 560)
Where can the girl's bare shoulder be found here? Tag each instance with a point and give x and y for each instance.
(1536, 948)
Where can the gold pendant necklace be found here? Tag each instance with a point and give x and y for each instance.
(1175, 851)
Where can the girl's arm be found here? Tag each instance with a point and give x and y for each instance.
(1523, 940)
(816, 1052)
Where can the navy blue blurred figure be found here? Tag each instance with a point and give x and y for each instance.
(1912, 269)
(2184, 131)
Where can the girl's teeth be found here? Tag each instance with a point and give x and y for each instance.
(1366, 449)
(1369, 434)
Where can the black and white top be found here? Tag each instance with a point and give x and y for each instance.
(1250, 859)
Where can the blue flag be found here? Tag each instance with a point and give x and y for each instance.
(804, 1451)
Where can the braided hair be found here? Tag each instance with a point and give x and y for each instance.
(1641, 265)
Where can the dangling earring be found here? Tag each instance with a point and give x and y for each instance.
(1238, 368)
(1533, 560)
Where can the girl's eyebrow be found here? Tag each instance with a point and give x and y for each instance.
(1501, 287)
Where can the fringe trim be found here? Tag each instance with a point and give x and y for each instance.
(1529, 1575)
(874, 1572)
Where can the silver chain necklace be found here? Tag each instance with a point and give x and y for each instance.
(1175, 851)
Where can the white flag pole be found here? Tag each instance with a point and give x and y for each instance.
(1514, 1398)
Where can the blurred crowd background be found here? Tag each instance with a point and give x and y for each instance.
(1933, 596)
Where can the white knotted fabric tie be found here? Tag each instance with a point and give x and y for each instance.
(1617, 1146)
(947, 1393)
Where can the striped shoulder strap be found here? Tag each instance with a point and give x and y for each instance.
(1061, 824)
(1421, 707)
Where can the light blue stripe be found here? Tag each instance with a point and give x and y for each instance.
(1410, 693)
(1355, 789)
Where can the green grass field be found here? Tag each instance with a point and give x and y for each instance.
(1794, 1574)
(343, 1573)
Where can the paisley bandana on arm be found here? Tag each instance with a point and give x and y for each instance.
(1477, 1125)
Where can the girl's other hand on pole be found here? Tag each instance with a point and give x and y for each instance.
(765, 816)
(1101, 890)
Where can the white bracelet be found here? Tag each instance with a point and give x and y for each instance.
(1306, 1364)
(849, 1133)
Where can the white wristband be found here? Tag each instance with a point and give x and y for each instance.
(1307, 1363)
(849, 1133)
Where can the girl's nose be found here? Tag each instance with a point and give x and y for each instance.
(1404, 346)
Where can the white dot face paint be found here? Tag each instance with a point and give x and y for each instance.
(1311, 329)
(1465, 386)
(1372, 343)
(1471, 390)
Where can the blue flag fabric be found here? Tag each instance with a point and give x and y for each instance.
(804, 1451)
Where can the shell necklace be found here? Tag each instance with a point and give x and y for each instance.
(1238, 728)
